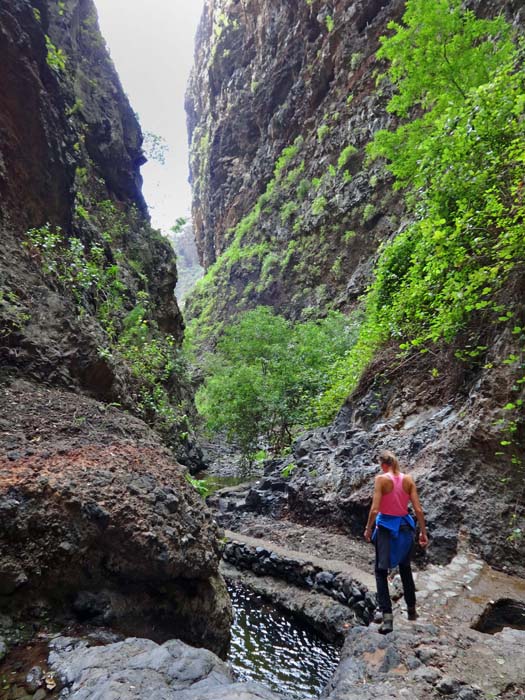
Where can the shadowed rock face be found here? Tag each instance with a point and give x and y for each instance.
(98, 522)
(71, 146)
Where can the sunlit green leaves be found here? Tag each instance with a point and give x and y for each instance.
(265, 374)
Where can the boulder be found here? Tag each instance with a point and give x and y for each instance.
(98, 522)
(137, 669)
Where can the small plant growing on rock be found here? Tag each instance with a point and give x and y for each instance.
(369, 212)
(322, 132)
(345, 156)
(56, 58)
(319, 205)
(288, 470)
(201, 485)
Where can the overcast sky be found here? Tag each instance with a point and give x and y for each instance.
(151, 43)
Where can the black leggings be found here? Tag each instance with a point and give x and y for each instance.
(405, 571)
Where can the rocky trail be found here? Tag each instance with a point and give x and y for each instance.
(441, 654)
(469, 639)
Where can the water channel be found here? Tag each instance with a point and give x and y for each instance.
(273, 648)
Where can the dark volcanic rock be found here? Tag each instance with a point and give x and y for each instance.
(98, 522)
(71, 150)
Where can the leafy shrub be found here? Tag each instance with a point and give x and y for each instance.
(266, 373)
(461, 163)
(56, 58)
(97, 287)
(322, 132)
(319, 205)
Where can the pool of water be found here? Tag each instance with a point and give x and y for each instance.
(271, 647)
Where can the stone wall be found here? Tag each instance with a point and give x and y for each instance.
(304, 574)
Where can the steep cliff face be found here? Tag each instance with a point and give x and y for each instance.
(298, 77)
(188, 267)
(297, 229)
(71, 152)
(89, 326)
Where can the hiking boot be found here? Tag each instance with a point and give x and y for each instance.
(378, 616)
(387, 625)
(412, 613)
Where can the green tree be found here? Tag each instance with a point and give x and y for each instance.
(266, 372)
(436, 57)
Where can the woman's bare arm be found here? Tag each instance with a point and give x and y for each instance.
(418, 510)
(374, 508)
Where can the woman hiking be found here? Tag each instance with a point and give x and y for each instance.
(391, 528)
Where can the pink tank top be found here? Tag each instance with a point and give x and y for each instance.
(395, 502)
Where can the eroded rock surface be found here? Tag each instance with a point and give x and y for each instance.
(137, 669)
(98, 522)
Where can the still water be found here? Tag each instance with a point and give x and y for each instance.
(271, 647)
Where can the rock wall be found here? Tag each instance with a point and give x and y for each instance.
(295, 229)
(188, 267)
(98, 522)
(266, 78)
(335, 584)
(71, 155)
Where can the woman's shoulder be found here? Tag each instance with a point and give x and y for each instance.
(408, 481)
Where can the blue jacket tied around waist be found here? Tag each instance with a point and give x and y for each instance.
(401, 530)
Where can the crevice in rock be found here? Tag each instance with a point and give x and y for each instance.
(499, 614)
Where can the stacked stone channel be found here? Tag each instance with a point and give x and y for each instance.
(304, 574)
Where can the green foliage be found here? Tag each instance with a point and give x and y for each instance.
(330, 24)
(266, 373)
(77, 107)
(462, 165)
(355, 60)
(345, 156)
(13, 312)
(97, 286)
(303, 189)
(368, 212)
(322, 132)
(287, 154)
(440, 52)
(288, 210)
(155, 147)
(319, 205)
(288, 470)
(180, 223)
(85, 275)
(56, 58)
(200, 485)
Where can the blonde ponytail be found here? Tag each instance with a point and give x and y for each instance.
(387, 457)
